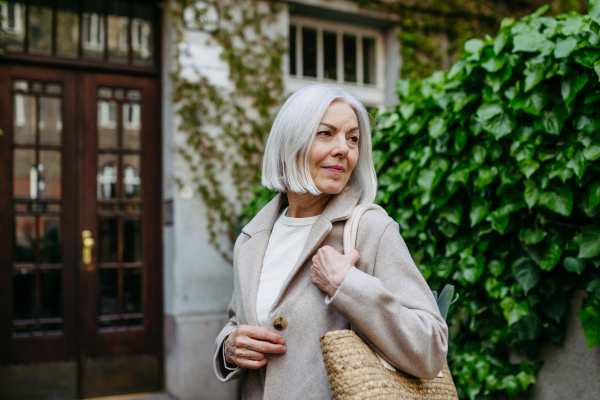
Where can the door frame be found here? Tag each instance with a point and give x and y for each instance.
(132, 341)
(78, 340)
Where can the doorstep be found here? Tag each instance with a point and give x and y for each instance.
(137, 396)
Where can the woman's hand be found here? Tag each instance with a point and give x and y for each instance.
(330, 267)
(248, 346)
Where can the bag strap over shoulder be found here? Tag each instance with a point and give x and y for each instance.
(351, 226)
(350, 233)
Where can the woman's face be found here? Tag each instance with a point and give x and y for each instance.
(334, 151)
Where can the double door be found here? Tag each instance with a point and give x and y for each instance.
(80, 270)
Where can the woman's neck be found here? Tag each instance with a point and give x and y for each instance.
(304, 205)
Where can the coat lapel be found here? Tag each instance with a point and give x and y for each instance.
(338, 208)
(251, 254)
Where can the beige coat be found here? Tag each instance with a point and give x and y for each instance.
(384, 297)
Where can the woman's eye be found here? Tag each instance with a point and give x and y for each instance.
(326, 133)
(354, 139)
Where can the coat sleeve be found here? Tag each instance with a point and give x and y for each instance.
(394, 310)
(224, 374)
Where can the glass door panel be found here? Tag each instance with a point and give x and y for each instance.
(121, 212)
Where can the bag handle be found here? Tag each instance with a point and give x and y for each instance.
(351, 226)
(350, 233)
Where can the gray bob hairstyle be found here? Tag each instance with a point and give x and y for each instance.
(285, 163)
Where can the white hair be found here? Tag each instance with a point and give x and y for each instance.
(285, 165)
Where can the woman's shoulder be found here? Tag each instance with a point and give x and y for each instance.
(375, 223)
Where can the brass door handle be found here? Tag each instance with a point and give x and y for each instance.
(88, 245)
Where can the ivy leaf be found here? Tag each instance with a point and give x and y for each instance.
(494, 64)
(555, 307)
(437, 127)
(460, 139)
(560, 201)
(573, 85)
(578, 164)
(526, 273)
(478, 156)
(500, 125)
(514, 311)
(574, 265)
(487, 111)
(564, 47)
(529, 237)
(461, 99)
(500, 42)
(499, 221)
(594, 11)
(496, 267)
(533, 76)
(525, 379)
(551, 257)
(407, 110)
(594, 198)
(532, 193)
(592, 152)
(528, 167)
(486, 176)
(551, 122)
(472, 267)
(590, 317)
(529, 327)
(590, 242)
(474, 47)
(452, 213)
(479, 209)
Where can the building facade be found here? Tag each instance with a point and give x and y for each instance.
(108, 281)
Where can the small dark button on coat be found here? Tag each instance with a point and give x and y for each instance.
(279, 323)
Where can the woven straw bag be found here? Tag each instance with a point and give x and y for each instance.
(356, 372)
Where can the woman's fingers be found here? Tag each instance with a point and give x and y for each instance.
(251, 364)
(262, 347)
(241, 353)
(258, 333)
(247, 346)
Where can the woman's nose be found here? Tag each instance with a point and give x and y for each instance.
(341, 148)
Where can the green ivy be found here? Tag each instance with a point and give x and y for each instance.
(433, 32)
(226, 128)
(492, 171)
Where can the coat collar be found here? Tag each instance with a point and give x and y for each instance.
(338, 208)
(251, 254)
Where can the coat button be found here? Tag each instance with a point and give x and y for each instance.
(279, 323)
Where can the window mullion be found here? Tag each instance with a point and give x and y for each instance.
(299, 59)
(359, 60)
(340, 56)
(320, 54)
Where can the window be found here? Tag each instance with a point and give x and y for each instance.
(337, 52)
(114, 31)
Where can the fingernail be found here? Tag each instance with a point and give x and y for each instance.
(281, 340)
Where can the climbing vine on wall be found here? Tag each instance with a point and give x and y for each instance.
(226, 127)
(492, 171)
(433, 32)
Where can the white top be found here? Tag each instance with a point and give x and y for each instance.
(285, 245)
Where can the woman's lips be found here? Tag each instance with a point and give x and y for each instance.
(335, 169)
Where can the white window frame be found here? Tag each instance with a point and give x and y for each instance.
(13, 26)
(95, 39)
(132, 123)
(371, 94)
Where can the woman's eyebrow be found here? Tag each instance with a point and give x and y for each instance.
(328, 125)
(335, 128)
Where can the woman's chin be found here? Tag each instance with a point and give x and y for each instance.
(331, 188)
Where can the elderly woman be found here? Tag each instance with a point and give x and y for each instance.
(293, 284)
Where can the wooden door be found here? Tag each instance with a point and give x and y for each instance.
(121, 290)
(79, 152)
